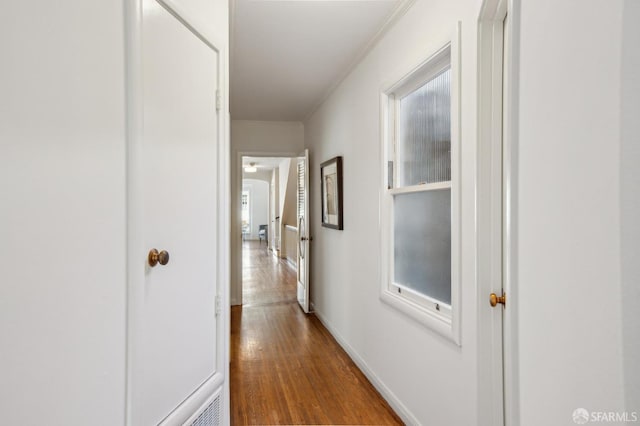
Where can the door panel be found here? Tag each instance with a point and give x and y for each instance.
(175, 336)
(303, 231)
(493, 214)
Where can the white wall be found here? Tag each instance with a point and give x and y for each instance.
(430, 380)
(569, 207)
(62, 220)
(258, 204)
(270, 138)
(573, 200)
(630, 201)
(287, 193)
(283, 173)
(289, 212)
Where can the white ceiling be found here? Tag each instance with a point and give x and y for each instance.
(263, 163)
(265, 166)
(286, 55)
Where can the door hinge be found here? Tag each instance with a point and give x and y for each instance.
(218, 100)
(218, 305)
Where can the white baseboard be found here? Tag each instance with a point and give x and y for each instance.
(400, 409)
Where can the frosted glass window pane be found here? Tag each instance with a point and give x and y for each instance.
(422, 242)
(424, 148)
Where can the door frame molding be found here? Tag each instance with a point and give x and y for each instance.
(135, 249)
(235, 211)
(498, 381)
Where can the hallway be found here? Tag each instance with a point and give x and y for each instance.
(285, 366)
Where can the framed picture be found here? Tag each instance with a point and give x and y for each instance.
(331, 179)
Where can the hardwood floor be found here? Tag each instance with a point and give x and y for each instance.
(265, 279)
(285, 366)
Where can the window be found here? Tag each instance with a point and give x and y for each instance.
(420, 193)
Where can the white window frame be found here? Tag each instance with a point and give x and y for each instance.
(436, 315)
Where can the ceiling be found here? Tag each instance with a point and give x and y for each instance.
(265, 166)
(263, 163)
(287, 55)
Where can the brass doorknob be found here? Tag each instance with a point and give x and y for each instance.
(156, 257)
(495, 299)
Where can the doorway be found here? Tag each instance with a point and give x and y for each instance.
(272, 209)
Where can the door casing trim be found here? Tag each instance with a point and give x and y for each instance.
(236, 250)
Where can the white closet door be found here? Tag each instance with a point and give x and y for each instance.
(173, 314)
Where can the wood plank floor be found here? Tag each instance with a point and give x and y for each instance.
(286, 369)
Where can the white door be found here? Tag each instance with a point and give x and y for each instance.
(499, 295)
(304, 237)
(174, 331)
(495, 327)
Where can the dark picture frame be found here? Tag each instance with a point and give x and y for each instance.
(331, 193)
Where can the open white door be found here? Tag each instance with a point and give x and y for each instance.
(175, 332)
(495, 234)
(303, 231)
